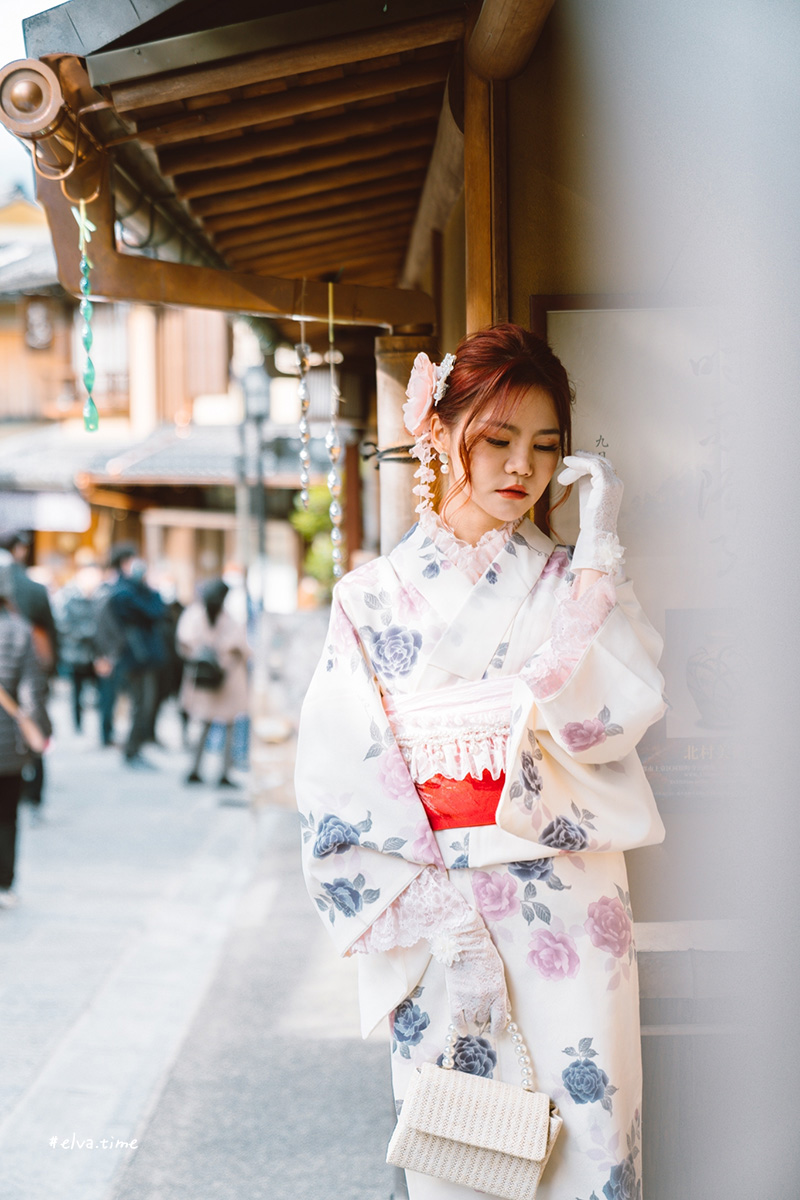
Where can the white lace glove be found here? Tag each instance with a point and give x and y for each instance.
(599, 496)
(474, 976)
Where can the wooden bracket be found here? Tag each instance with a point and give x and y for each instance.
(118, 276)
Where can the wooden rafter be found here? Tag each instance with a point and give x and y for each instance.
(213, 183)
(313, 183)
(323, 229)
(287, 61)
(324, 131)
(316, 216)
(298, 101)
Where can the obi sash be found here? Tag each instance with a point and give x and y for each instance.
(459, 803)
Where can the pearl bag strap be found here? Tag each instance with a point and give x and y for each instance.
(520, 1049)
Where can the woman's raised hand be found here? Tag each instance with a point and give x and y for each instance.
(599, 496)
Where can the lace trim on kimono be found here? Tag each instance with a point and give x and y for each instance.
(430, 907)
(457, 752)
(575, 622)
(475, 560)
(454, 731)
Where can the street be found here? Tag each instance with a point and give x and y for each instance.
(167, 984)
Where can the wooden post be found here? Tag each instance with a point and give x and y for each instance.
(394, 358)
(477, 197)
(485, 199)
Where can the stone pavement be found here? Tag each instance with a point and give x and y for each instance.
(165, 982)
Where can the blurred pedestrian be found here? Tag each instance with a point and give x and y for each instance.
(214, 647)
(22, 677)
(32, 602)
(170, 673)
(109, 639)
(76, 621)
(138, 611)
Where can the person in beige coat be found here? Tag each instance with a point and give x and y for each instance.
(206, 635)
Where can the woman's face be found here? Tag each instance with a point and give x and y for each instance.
(511, 464)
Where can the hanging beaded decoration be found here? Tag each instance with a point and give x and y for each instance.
(302, 351)
(91, 418)
(334, 447)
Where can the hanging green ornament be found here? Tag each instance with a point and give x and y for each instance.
(91, 418)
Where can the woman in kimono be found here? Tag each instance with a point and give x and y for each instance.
(467, 777)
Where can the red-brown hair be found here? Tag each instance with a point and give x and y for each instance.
(493, 366)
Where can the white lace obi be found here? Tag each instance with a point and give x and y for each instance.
(455, 731)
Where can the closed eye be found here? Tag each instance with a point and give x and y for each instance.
(549, 448)
(496, 442)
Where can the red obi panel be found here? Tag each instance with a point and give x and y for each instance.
(459, 803)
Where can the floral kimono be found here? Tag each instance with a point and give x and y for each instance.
(446, 661)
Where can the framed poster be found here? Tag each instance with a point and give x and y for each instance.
(650, 396)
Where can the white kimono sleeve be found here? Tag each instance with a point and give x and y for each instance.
(365, 833)
(573, 780)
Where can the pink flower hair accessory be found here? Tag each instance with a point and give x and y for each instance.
(426, 386)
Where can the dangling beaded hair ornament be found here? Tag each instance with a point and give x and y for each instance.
(427, 385)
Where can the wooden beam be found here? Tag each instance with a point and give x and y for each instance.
(319, 218)
(212, 183)
(132, 277)
(280, 106)
(477, 199)
(322, 131)
(398, 217)
(293, 60)
(253, 201)
(504, 36)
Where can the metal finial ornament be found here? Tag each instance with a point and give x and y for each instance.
(302, 351)
(91, 418)
(333, 445)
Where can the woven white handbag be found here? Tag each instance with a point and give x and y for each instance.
(481, 1133)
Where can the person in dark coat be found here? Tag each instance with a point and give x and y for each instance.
(22, 676)
(138, 611)
(32, 602)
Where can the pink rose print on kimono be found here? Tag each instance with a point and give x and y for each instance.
(578, 736)
(609, 924)
(495, 894)
(393, 651)
(425, 848)
(394, 778)
(553, 955)
(557, 564)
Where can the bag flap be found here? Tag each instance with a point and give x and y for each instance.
(478, 1112)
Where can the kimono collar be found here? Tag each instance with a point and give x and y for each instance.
(476, 614)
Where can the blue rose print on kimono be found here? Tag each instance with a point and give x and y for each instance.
(394, 651)
(347, 896)
(409, 1023)
(623, 1182)
(582, 735)
(539, 869)
(564, 835)
(585, 1081)
(333, 835)
(473, 1056)
(528, 783)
